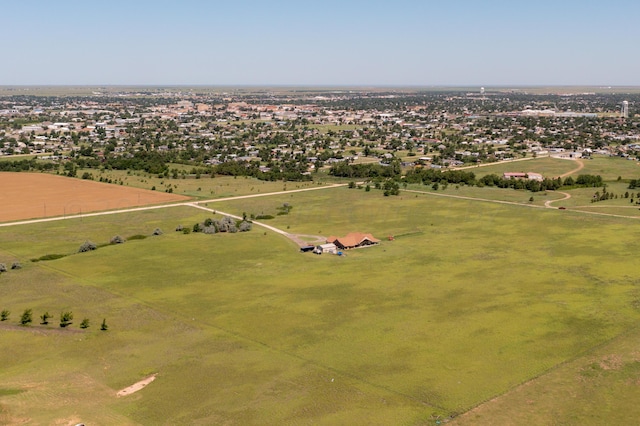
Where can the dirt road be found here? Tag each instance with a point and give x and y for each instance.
(577, 169)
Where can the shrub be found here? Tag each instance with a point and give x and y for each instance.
(87, 246)
(179, 228)
(186, 231)
(244, 226)
(45, 318)
(84, 323)
(3, 267)
(27, 317)
(137, 237)
(49, 257)
(4, 315)
(104, 326)
(209, 230)
(66, 318)
(157, 231)
(117, 240)
(264, 217)
(16, 265)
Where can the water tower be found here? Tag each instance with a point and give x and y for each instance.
(625, 109)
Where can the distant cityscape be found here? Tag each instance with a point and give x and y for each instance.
(297, 132)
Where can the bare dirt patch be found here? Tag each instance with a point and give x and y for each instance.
(38, 195)
(136, 386)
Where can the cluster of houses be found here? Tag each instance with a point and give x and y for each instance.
(315, 129)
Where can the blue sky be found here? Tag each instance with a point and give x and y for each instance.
(357, 43)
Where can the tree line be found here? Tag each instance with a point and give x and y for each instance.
(66, 319)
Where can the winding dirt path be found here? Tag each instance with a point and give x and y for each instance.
(548, 202)
(577, 169)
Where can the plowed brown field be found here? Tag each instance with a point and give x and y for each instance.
(36, 195)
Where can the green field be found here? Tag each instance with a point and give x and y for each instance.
(471, 300)
(204, 187)
(546, 166)
(423, 315)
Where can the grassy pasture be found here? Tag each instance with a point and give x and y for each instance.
(602, 387)
(203, 188)
(546, 166)
(473, 300)
(611, 167)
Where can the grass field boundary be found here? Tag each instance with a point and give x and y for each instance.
(553, 368)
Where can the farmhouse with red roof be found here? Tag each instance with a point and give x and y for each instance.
(353, 240)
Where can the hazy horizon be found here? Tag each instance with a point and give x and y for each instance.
(298, 44)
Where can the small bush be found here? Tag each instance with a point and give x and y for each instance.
(137, 237)
(104, 326)
(27, 317)
(3, 267)
(4, 315)
(48, 257)
(157, 231)
(209, 230)
(244, 226)
(117, 240)
(186, 231)
(179, 228)
(264, 217)
(87, 246)
(16, 265)
(66, 318)
(84, 323)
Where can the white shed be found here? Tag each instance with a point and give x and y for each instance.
(327, 248)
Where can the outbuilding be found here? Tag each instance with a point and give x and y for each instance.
(326, 248)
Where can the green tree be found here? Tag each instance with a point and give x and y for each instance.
(104, 326)
(45, 318)
(66, 318)
(84, 323)
(27, 317)
(4, 315)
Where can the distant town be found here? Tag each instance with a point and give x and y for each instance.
(291, 134)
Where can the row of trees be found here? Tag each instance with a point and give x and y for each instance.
(369, 171)
(461, 177)
(66, 319)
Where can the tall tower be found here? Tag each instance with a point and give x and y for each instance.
(625, 109)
